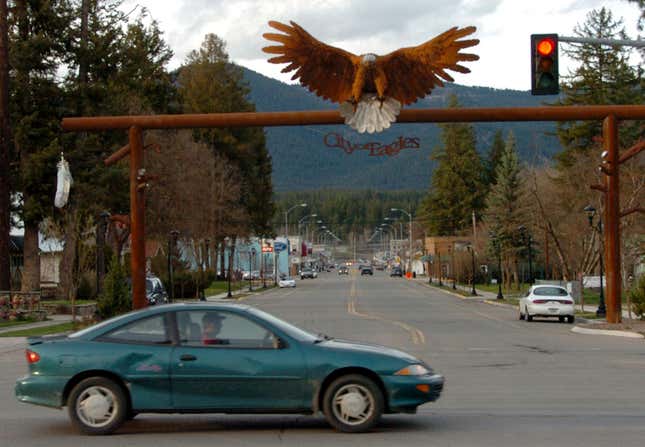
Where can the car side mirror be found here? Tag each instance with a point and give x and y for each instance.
(279, 343)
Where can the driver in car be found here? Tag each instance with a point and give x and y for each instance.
(211, 325)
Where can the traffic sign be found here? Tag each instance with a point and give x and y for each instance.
(279, 246)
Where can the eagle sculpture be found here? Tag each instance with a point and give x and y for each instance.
(370, 88)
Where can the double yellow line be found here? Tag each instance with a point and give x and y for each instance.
(416, 335)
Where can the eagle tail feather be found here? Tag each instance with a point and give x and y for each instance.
(371, 114)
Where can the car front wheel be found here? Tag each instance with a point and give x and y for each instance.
(97, 406)
(353, 404)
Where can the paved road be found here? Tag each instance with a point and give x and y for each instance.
(508, 382)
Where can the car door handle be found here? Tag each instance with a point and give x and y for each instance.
(187, 358)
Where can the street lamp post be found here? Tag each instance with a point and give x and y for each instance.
(286, 222)
(451, 252)
(527, 236)
(172, 243)
(251, 257)
(228, 267)
(591, 212)
(410, 235)
(101, 228)
(471, 249)
(207, 242)
(498, 251)
(439, 265)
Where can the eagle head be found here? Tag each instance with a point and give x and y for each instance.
(368, 59)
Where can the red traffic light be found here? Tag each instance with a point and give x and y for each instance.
(546, 46)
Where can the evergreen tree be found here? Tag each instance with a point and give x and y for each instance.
(209, 83)
(604, 76)
(493, 158)
(506, 206)
(457, 187)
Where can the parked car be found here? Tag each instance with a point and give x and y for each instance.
(218, 358)
(343, 270)
(155, 291)
(307, 273)
(367, 270)
(396, 271)
(547, 301)
(287, 282)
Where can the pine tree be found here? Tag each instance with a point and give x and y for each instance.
(209, 83)
(604, 76)
(457, 185)
(506, 206)
(494, 155)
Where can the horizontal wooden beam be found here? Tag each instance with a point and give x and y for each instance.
(269, 119)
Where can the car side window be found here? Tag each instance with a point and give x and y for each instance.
(151, 330)
(221, 329)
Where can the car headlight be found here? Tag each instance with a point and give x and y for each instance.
(413, 370)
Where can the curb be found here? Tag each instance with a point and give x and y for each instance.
(447, 292)
(495, 303)
(627, 334)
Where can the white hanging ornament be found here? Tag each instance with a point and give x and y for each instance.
(64, 182)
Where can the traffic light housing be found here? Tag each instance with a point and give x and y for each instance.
(544, 64)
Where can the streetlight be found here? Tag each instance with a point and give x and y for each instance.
(286, 222)
(207, 242)
(591, 212)
(527, 236)
(228, 267)
(302, 220)
(498, 251)
(451, 252)
(472, 253)
(410, 235)
(101, 228)
(172, 242)
(251, 256)
(440, 268)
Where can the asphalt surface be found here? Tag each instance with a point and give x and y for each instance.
(508, 382)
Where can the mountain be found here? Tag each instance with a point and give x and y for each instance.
(302, 161)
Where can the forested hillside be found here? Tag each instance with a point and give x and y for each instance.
(302, 161)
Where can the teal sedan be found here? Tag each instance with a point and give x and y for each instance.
(218, 358)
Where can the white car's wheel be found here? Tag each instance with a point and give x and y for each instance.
(527, 316)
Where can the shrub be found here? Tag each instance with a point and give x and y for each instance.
(115, 298)
(637, 296)
(85, 290)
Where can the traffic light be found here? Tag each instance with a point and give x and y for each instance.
(544, 64)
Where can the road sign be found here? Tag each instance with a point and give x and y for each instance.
(267, 249)
(279, 246)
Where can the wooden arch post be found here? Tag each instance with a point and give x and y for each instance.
(610, 115)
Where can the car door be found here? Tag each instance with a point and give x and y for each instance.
(246, 366)
(140, 352)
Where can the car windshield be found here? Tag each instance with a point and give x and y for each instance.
(288, 328)
(550, 291)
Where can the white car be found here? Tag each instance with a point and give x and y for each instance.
(547, 301)
(287, 282)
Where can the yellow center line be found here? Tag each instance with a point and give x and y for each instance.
(416, 335)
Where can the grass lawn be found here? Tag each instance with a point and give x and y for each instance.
(217, 287)
(16, 323)
(46, 330)
(68, 302)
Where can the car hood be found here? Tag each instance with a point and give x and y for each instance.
(352, 346)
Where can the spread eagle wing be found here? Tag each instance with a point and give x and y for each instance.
(325, 70)
(413, 72)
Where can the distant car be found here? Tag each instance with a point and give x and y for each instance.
(343, 270)
(396, 271)
(307, 273)
(547, 301)
(287, 282)
(367, 270)
(218, 358)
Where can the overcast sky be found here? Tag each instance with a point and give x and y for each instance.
(380, 26)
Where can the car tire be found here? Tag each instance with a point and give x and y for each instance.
(571, 319)
(97, 406)
(562, 319)
(521, 314)
(353, 404)
(527, 316)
